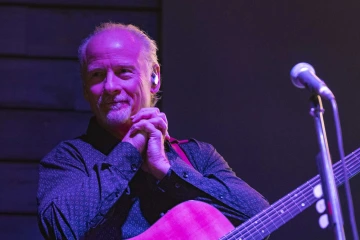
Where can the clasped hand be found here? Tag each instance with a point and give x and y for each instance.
(147, 135)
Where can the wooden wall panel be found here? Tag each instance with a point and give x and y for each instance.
(13, 30)
(18, 185)
(19, 227)
(29, 135)
(39, 83)
(86, 3)
(58, 32)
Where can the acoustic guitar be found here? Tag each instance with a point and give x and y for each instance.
(195, 220)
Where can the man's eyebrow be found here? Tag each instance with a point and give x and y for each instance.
(92, 67)
(130, 67)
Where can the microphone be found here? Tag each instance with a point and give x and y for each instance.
(303, 76)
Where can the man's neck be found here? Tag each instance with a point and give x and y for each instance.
(118, 131)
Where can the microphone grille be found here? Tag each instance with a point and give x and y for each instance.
(297, 69)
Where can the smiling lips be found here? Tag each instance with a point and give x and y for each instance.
(115, 105)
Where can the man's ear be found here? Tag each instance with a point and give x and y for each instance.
(155, 79)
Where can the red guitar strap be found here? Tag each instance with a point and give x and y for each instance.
(175, 144)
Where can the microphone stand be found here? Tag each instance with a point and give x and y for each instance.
(326, 171)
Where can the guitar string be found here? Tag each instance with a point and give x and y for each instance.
(293, 211)
(350, 168)
(290, 197)
(336, 168)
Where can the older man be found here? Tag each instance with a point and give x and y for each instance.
(123, 175)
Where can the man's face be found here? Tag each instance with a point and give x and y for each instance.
(117, 81)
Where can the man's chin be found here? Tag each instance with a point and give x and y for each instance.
(115, 119)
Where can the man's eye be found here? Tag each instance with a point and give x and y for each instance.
(97, 74)
(124, 70)
(124, 73)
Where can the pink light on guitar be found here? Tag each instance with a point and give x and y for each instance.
(189, 220)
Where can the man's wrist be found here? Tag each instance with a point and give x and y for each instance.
(160, 172)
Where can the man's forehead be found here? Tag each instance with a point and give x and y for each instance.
(113, 42)
(116, 46)
(115, 38)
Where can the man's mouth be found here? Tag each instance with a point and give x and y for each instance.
(115, 105)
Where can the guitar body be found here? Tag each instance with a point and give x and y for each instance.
(191, 220)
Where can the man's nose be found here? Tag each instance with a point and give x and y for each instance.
(112, 85)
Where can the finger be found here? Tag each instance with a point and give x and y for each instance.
(149, 128)
(145, 113)
(148, 113)
(160, 124)
(167, 135)
(163, 116)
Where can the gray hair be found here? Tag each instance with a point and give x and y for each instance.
(149, 46)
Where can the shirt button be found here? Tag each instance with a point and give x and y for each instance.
(185, 175)
(221, 197)
(162, 214)
(133, 167)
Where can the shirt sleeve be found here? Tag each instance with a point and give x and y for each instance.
(214, 182)
(73, 199)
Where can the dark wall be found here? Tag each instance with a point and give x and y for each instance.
(226, 81)
(41, 99)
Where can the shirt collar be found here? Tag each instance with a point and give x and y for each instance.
(100, 138)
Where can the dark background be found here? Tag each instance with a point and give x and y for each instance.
(225, 72)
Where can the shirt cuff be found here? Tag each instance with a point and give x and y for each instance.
(176, 187)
